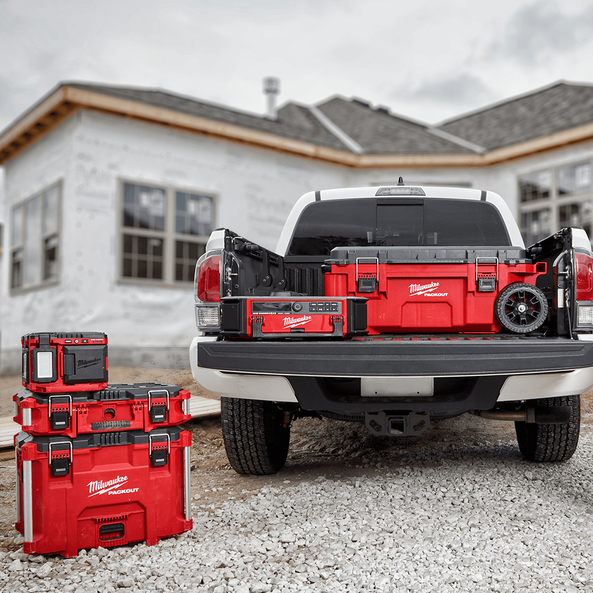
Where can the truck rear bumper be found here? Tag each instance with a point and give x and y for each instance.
(467, 374)
(393, 357)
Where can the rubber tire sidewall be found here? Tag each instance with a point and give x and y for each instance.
(551, 442)
(255, 439)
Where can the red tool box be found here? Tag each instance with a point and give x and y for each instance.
(59, 362)
(293, 316)
(102, 490)
(443, 289)
(140, 406)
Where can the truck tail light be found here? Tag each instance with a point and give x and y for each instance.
(207, 285)
(584, 276)
(207, 278)
(584, 289)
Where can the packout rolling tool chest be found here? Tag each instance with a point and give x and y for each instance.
(61, 362)
(438, 289)
(102, 489)
(139, 406)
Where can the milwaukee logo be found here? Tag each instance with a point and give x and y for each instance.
(88, 362)
(110, 486)
(296, 321)
(426, 290)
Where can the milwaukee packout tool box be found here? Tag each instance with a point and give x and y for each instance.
(293, 316)
(59, 362)
(433, 289)
(140, 406)
(102, 490)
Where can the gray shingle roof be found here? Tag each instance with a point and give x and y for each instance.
(541, 113)
(380, 132)
(293, 121)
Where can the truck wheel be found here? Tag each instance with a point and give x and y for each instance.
(551, 442)
(255, 437)
(521, 308)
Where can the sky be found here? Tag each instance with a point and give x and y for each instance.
(427, 60)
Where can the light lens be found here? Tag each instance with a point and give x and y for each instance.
(585, 315)
(400, 190)
(208, 271)
(207, 316)
(584, 275)
(45, 363)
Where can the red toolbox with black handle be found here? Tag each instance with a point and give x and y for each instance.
(102, 489)
(61, 362)
(138, 406)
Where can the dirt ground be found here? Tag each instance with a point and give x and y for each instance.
(318, 448)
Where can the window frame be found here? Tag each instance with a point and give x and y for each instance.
(168, 234)
(556, 200)
(42, 236)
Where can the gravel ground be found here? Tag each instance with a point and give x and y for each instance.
(455, 510)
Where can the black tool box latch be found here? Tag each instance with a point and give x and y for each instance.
(158, 412)
(60, 461)
(59, 418)
(159, 455)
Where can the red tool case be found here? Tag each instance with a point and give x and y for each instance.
(444, 289)
(293, 316)
(103, 489)
(140, 406)
(59, 362)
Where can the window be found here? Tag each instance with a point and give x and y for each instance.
(569, 194)
(35, 240)
(576, 214)
(535, 187)
(536, 225)
(164, 232)
(361, 222)
(574, 179)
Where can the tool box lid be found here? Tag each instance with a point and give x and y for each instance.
(114, 392)
(342, 256)
(66, 336)
(103, 439)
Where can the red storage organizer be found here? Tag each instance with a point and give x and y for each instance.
(439, 289)
(102, 490)
(139, 406)
(59, 362)
(285, 316)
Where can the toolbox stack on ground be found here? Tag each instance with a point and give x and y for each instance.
(97, 464)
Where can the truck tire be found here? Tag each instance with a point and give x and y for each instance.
(521, 308)
(551, 442)
(255, 436)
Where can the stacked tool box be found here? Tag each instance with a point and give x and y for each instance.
(97, 464)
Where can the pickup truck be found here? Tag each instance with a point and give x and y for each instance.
(394, 307)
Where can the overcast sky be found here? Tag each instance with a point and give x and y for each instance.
(428, 60)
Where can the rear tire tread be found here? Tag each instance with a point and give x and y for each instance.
(551, 442)
(255, 440)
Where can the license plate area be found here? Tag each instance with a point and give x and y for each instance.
(397, 386)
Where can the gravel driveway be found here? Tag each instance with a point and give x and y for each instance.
(455, 510)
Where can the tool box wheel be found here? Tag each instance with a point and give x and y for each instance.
(256, 436)
(521, 308)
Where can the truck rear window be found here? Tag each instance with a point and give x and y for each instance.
(399, 222)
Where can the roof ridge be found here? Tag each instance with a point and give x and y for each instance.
(336, 130)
